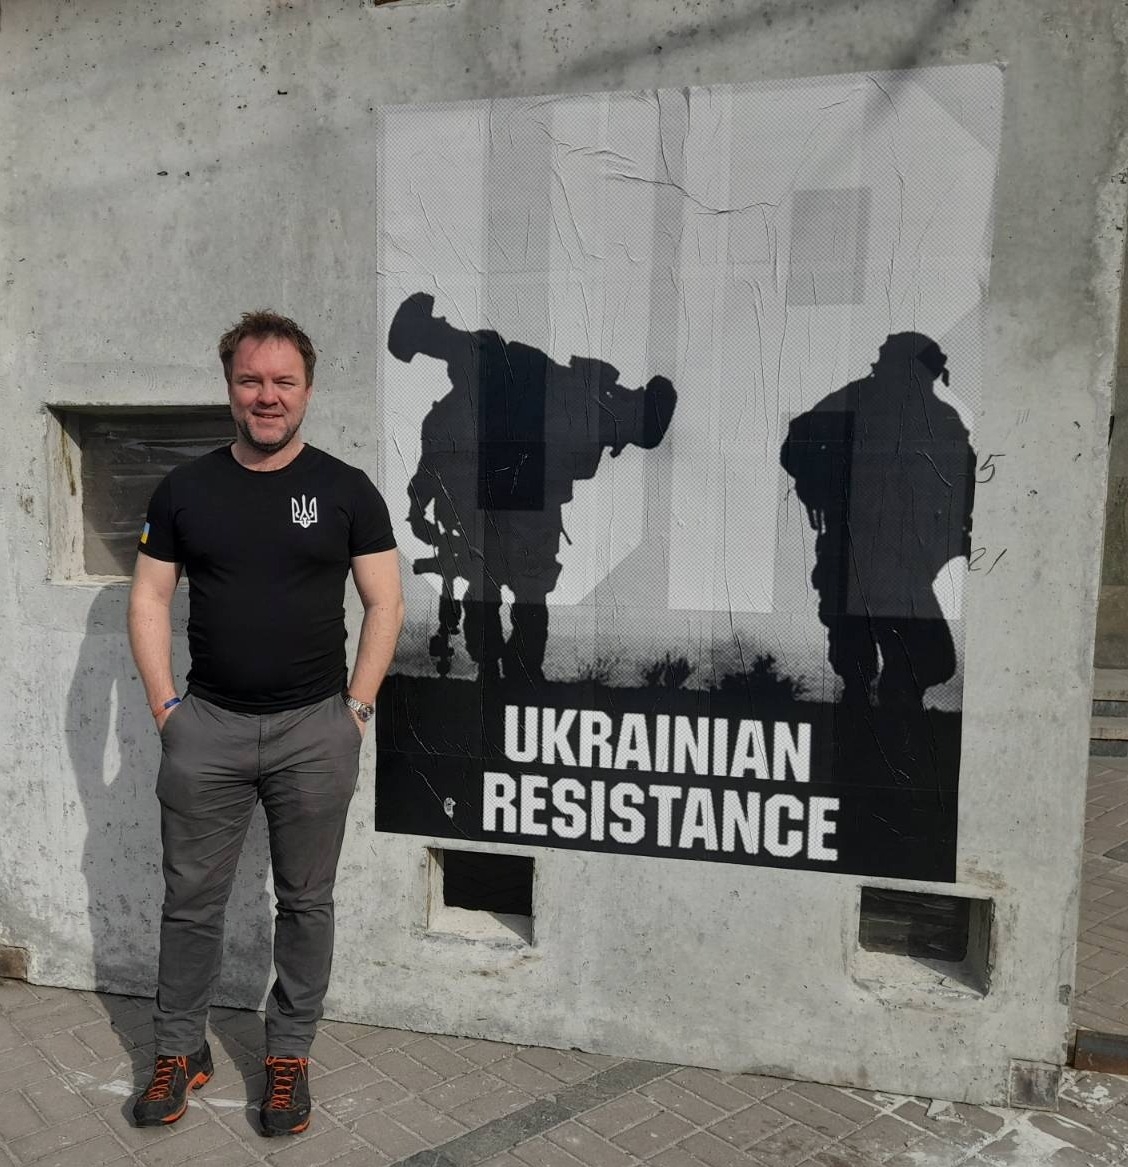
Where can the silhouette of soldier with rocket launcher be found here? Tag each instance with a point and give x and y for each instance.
(501, 454)
(887, 474)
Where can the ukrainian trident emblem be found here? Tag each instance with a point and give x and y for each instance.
(306, 514)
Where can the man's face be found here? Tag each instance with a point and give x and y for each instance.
(268, 392)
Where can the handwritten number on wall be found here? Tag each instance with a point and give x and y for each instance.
(988, 467)
(978, 554)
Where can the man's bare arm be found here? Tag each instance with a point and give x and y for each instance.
(377, 579)
(150, 629)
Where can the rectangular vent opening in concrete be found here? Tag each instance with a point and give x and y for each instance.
(925, 938)
(105, 463)
(481, 895)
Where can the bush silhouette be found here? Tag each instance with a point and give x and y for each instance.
(667, 673)
(599, 670)
(764, 682)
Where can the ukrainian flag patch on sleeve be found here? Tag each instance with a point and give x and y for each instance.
(145, 533)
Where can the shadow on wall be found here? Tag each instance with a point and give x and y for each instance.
(784, 19)
(115, 751)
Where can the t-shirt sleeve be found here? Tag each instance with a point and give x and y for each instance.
(158, 535)
(371, 529)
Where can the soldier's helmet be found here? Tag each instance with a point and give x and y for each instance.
(903, 348)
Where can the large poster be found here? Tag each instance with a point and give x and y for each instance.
(678, 392)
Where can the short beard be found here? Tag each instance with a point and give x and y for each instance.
(261, 446)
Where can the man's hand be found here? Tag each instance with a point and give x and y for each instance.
(162, 717)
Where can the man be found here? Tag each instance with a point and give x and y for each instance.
(267, 530)
(886, 472)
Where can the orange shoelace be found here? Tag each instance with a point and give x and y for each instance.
(163, 1072)
(283, 1079)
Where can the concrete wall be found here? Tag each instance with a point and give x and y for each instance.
(166, 167)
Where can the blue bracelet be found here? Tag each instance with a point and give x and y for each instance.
(171, 703)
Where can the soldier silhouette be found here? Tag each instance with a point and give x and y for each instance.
(501, 454)
(887, 475)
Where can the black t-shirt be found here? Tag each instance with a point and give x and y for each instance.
(266, 553)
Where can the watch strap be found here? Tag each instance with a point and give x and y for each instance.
(362, 710)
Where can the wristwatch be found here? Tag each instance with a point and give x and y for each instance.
(364, 712)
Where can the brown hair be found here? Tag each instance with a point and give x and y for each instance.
(260, 325)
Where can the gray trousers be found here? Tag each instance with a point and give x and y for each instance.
(215, 765)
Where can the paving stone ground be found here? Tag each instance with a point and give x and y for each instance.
(1102, 955)
(71, 1061)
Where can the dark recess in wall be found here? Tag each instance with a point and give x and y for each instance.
(13, 962)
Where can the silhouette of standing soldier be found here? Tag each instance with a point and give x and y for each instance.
(501, 454)
(887, 474)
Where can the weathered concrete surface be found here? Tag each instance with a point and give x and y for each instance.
(164, 169)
